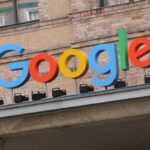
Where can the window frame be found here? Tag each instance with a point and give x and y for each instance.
(102, 3)
(16, 15)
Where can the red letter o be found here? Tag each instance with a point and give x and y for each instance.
(34, 68)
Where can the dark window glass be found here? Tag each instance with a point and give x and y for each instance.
(105, 3)
(27, 10)
(6, 13)
(18, 11)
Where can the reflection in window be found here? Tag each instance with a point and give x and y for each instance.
(6, 13)
(105, 3)
(2, 20)
(28, 10)
(18, 11)
(33, 15)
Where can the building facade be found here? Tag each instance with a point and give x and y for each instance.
(80, 25)
(52, 27)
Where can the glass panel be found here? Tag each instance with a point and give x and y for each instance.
(6, 13)
(33, 15)
(27, 10)
(111, 2)
(116, 2)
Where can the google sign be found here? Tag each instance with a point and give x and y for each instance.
(139, 48)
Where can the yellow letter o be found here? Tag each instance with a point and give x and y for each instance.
(65, 58)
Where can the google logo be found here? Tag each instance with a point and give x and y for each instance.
(136, 52)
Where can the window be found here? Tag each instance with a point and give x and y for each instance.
(27, 10)
(33, 15)
(6, 13)
(2, 20)
(105, 3)
(18, 11)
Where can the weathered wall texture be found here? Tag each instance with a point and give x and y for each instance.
(74, 24)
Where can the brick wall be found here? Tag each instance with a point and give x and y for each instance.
(53, 9)
(78, 24)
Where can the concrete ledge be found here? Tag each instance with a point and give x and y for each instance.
(75, 101)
